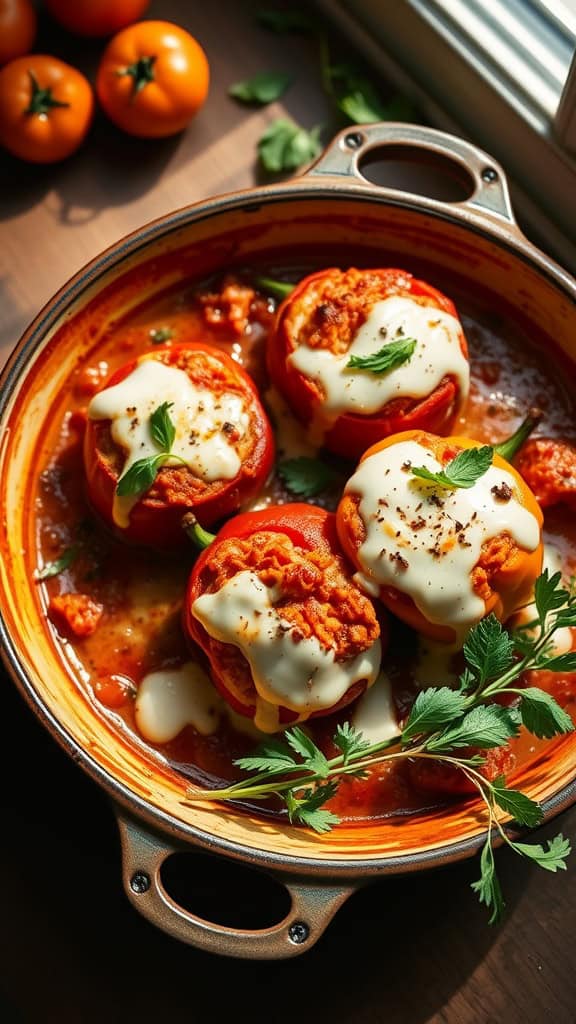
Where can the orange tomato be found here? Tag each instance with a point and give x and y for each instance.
(152, 79)
(45, 108)
(17, 28)
(96, 17)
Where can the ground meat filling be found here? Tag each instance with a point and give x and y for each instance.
(318, 599)
(329, 313)
(179, 484)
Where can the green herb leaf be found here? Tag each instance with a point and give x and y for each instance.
(160, 334)
(140, 476)
(279, 289)
(462, 471)
(272, 756)
(311, 755)
(488, 649)
(542, 716)
(285, 146)
(349, 741)
(306, 477)
(289, 20)
(549, 594)
(161, 427)
(488, 886)
(59, 565)
(486, 726)
(263, 88)
(562, 662)
(523, 810)
(432, 709)
(552, 859)
(308, 808)
(394, 354)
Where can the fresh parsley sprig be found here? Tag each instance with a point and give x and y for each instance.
(387, 358)
(307, 477)
(263, 88)
(142, 474)
(462, 471)
(445, 725)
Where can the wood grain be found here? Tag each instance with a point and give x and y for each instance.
(414, 950)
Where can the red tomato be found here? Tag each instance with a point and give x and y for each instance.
(45, 108)
(96, 17)
(156, 519)
(17, 29)
(310, 529)
(334, 302)
(152, 79)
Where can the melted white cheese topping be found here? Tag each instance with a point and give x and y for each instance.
(197, 414)
(437, 355)
(375, 713)
(298, 674)
(169, 700)
(425, 540)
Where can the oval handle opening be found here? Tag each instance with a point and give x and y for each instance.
(224, 892)
(417, 170)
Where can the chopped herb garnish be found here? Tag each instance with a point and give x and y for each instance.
(396, 353)
(263, 88)
(442, 726)
(307, 477)
(462, 471)
(158, 335)
(142, 474)
(285, 146)
(59, 565)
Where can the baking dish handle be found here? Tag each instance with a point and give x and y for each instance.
(313, 904)
(346, 153)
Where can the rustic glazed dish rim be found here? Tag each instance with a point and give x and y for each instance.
(499, 229)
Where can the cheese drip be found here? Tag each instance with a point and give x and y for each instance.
(437, 355)
(170, 699)
(375, 713)
(198, 416)
(297, 674)
(425, 540)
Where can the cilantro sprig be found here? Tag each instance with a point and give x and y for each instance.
(387, 358)
(453, 726)
(263, 88)
(142, 474)
(462, 471)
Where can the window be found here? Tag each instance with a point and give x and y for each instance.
(499, 73)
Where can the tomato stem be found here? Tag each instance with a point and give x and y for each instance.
(200, 537)
(41, 100)
(141, 71)
(508, 449)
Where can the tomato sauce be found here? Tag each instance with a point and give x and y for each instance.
(140, 591)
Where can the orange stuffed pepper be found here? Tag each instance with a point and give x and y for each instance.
(443, 530)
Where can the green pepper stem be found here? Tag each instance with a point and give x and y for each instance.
(141, 71)
(509, 448)
(41, 100)
(200, 537)
(278, 289)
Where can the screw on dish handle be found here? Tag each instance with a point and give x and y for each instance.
(346, 152)
(143, 854)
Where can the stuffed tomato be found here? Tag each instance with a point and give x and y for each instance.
(288, 634)
(179, 429)
(363, 354)
(548, 465)
(443, 538)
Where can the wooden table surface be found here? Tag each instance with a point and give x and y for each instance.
(405, 951)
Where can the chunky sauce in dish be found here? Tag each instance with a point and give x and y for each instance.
(113, 584)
